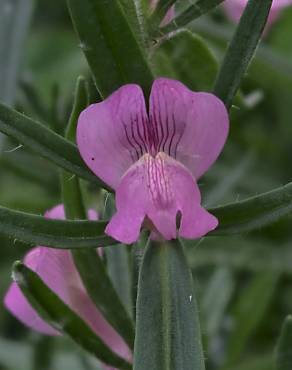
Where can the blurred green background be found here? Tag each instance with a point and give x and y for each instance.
(244, 282)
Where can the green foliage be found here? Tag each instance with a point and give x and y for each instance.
(254, 212)
(168, 331)
(251, 214)
(241, 49)
(34, 229)
(113, 53)
(44, 141)
(242, 301)
(14, 21)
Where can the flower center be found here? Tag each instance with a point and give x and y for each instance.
(158, 179)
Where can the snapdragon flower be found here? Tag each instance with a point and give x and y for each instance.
(154, 159)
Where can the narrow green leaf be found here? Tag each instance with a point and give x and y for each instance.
(103, 294)
(132, 9)
(37, 230)
(241, 49)
(247, 315)
(14, 21)
(91, 269)
(284, 346)
(45, 142)
(199, 67)
(144, 6)
(52, 309)
(193, 12)
(255, 212)
(15, 16)
(168, 332)
(247, 215)
(113, 53)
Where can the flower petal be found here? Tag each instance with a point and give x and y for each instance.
(56, 213)
(110, 135)
(83, 305)
(159, 188)
(126, 223)
(56, 269)
(191, 127)
(18, 305)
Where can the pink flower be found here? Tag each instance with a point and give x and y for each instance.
(153, 160)
(56, 268)
(234, 8)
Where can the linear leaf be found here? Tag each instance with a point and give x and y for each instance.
(254, 212)
(168, 332)
(52, 309)
(113, 52)
(45, 142)
(15, 16)
(14, 21)
(38, 230)
(241, 49)
(193, 12)
(247, 215)
(92, 270)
